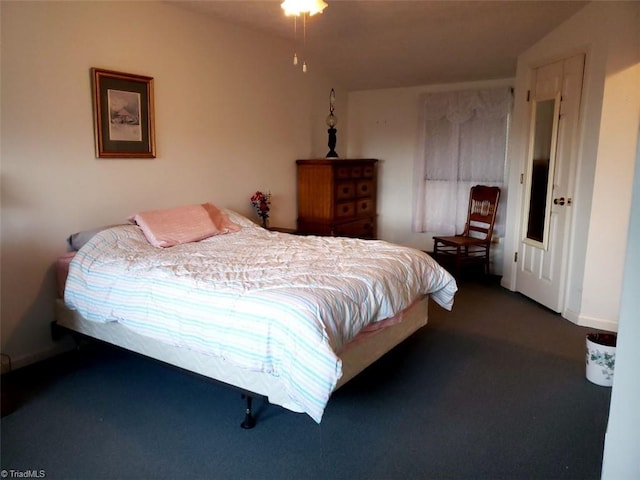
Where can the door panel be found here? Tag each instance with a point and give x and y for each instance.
(541, 272)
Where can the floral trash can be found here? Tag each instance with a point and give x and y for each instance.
(601, 358)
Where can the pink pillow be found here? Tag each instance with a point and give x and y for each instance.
(191, 223)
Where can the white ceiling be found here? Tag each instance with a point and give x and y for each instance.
(369, 44)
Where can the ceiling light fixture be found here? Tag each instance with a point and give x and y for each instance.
(306, 8)
(298, 7)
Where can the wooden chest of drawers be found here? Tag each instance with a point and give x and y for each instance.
(337, 197)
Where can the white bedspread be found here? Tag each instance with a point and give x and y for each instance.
(272, 302)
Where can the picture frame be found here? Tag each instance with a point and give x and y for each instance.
(124, 115)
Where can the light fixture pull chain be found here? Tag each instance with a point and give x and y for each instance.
(295, 40)
(304, 42)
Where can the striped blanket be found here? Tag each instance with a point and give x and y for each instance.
(271, 302)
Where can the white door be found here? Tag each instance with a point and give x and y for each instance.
(549, 182)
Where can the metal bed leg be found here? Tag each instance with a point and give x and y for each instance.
(249, 420)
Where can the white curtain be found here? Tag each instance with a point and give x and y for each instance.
(463, 137)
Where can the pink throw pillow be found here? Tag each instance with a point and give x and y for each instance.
(191, 223)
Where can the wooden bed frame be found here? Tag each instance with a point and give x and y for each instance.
(356, 356)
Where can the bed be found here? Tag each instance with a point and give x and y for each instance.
(287, 317)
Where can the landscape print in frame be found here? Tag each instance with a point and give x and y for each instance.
(124, 114)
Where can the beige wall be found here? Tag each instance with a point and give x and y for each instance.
(620, 458)
(232, 115)
(611, 200)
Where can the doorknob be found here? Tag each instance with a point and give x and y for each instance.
(561, 201)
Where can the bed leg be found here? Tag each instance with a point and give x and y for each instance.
(249, 421)
(58, 333)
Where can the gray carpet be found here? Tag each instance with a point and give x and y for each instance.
(495, 389)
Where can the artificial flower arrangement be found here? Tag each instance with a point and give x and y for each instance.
(261, 202)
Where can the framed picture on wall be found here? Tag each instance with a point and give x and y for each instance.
(123, 107)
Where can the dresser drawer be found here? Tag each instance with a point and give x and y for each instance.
(368, 171)
(345, 190)
(343, 171)
(364, 188)
(365, 206)
(345, 209)
(354, 171)
(364, 228)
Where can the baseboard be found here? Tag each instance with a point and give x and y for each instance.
(55, 350)
(590, 322)
(6, 364)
